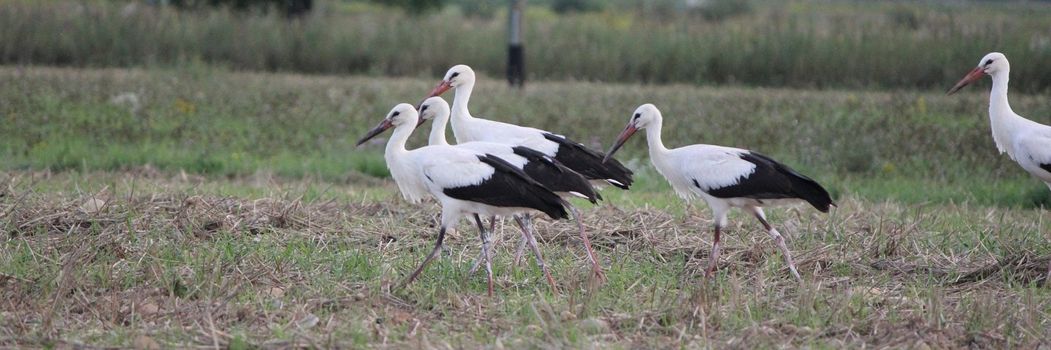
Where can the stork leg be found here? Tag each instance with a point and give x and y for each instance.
(525, 238)
(520, 250)
(527, 233)
(596, 266)
(713, 259)
(776, 236)
(485, 252)
(477, 262)
(434, 252)
(1047, 280)
(528, 238)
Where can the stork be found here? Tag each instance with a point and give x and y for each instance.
(538, 166)
(572, 154)
(464, 182)
(725, 178)
(1028, 143)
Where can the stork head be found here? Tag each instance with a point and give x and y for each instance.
(457, 76)
(646, 115)
(992, 64)
(434, 108)
(402, 114)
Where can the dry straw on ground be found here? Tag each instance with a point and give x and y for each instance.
(101, 270)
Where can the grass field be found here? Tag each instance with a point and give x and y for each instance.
(200, 207)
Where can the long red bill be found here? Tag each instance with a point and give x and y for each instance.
(967, 79)
(442, 87)
(623, 137)
(379, 129)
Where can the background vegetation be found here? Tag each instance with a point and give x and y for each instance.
(205, 120)
(161, 186)
(789, 44)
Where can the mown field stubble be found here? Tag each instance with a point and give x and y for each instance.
(200, 207)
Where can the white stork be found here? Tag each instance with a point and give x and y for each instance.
(538, 166)
(572, 154)
(1027, 142)
(464, 182)
(725, 178)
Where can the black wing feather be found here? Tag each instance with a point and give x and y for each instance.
(773, 180)
(1046, 167)
(510, 187)
(589, 163)
(554, 175)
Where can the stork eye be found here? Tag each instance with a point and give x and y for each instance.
(455, 74)
(424, 108)
(395, 114)
(989, 61)
(637, 115)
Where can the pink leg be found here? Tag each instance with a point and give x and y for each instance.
(713, 259)
(478, 261)
(776, 236)
(434, 252)
(485, 252)
(521, 242)
(596, 266)
(528, 235)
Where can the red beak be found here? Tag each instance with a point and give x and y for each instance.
(383, 126)
(967, 79)
(442, 87)
(624, 135)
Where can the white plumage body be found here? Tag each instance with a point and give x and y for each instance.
(724, 177)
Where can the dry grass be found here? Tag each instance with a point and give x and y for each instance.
(150, 259)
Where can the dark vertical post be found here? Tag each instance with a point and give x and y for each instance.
(515, 54)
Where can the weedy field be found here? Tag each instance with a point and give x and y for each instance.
(199, 207)
(798, 43)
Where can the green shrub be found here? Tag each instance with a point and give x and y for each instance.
(415, 7)
(571, 6)
(718, 10)
(853, 45)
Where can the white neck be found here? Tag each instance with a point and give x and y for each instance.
(437, 136)
(460, 115)
(653, 140)
(463, 96)
(396, 143)
(401, 165)
(1002, 119)
(998, 104)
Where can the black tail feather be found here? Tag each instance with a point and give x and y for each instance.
(801, 186)
(773, 180)
(525, 192)
(554, 175)
(589, 163)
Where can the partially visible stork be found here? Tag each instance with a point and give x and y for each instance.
(464, 182)
(1028, 143)
(572, 154)
(725, 178)
(538, 166)
(467, 128)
